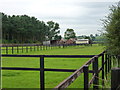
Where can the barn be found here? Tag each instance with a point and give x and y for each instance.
(51, 42)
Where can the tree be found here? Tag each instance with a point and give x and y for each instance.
(112, 28)
(69, 33)
(96, 35)
(53, 29)
(26, 29)
(58, 37)
(92, 37)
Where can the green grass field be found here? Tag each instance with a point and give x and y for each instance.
(30, 79)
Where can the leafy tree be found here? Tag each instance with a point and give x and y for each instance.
(92, 37)
(58, 37)
(112, 28)
(100, 39)
(87, 37)
(69, 33)
(53, 29)
(26, 29)
(96, 35)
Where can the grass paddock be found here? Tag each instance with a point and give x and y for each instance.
(30, 79)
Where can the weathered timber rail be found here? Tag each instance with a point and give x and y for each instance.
(105, 68)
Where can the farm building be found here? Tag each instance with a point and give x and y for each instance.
(82, 41)
(46, 42)
(51, 42)
(70, 41)
(65, 41)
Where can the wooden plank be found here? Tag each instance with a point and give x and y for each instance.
(70, 79)
(91, 81)
(60, 56)
(38, 69)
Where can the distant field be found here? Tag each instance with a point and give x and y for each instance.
(30, 79)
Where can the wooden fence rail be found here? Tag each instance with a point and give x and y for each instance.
(76, 73)
(17, 48)
(85, 69)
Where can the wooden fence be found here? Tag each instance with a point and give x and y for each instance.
(22, 48)
(105, 68)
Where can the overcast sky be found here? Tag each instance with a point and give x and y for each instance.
(82, 16)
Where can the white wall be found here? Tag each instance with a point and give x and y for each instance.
(46, 42)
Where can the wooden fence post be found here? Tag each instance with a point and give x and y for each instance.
(59, 46)
(6, 49)
(43, 47)
(12, 49)
(95, 68)
(106, 64)
(22, 48)
(40, 47)
(17, 49)
(103, 69)
(42, 86)
(30, 48)
(86, 77)
(37, 47)
(63, 46)
(27, 49)
(115, 79)
(34, 47)
(46, 47)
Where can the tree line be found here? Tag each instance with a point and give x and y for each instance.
(26, 29)
(112, 31)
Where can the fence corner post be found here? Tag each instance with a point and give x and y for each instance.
(115, 79)
(86, 77)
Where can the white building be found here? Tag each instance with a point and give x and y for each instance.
(82, 41)
(46, 42)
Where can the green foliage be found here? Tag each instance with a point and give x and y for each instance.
(100, 39)
(69, 33)
(112, 28)
(26, 29)
(53, 29)
(92, 37)
(58, 37)
(4, 41)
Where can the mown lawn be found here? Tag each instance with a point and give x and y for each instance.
(30, 79)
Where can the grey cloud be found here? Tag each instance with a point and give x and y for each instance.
(86, 23)
(94, 4)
